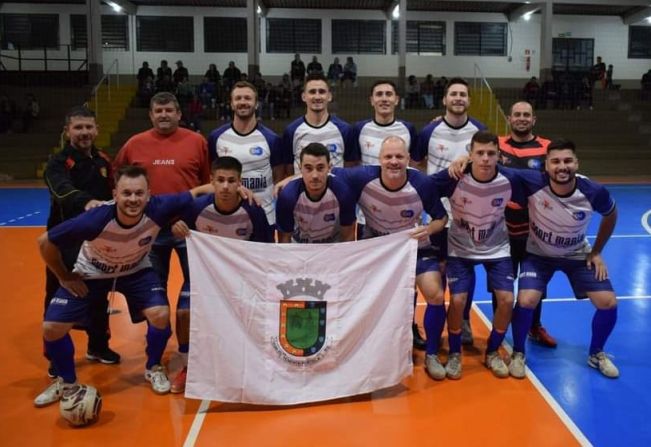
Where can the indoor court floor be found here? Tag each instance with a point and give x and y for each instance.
(563, 402)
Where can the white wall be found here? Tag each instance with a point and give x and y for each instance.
(610, 34)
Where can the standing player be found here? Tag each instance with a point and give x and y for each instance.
(79, 178)
(176, 160)
(393, 198)
(116, 240)
(317, 126)
(222, 213)
(478, 235)
(318, 207)
(254, 145)
(441, 142)
(560, 208)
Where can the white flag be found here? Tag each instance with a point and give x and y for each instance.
(294, 323)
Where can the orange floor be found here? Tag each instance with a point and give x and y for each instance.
(477, 410)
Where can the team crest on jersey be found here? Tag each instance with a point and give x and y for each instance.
(546, 204)
(497, 202)
(332, 148)
(579, 215)
(440, 147)
(302, 321)
(407, 214)
(330, 217)
(257, 151)
(144, 241)
(534, 163)
(107, 249)
(465, 201)
(241, 231)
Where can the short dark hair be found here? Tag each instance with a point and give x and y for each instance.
(383, 81)
(316, 150)
(484, 137)
(561, 144)
(244, 84)
(456, 80)
(130, 171)
(227, 163)
(521, 102)
(163, 98)
(78, 112)
(316, 77)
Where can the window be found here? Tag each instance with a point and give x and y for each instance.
(358, 37)
(224, 34)
(422, 37)
(572, 54)
(29, 31)
(115, 32)
(479, 39)
(155, 33)
(639, 42)
(293, 36)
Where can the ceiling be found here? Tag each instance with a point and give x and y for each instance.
(580, 7)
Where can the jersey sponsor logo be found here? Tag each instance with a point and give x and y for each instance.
(330, 217)
(579, 215)
(241, 231)
(302, 322)
(254, 183)
(545, 204)
(59, 301)
(107, 249)
(332, 147)
(555, 240)
(257, 151)
(169, 162)
(407, 214)
(465, 201)
(534, 163)
(144, 241)
(497, 202)
(441, 147)
(528, 275)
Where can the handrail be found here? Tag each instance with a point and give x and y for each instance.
(106, 78)
(495, 111)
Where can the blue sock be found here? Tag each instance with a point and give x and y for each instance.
(520, 324)
(184, 348)
(494, 340)
(455, 342)
(434, 321)
(603, 323)
(62, 354)
(156, 342)
(471, 295)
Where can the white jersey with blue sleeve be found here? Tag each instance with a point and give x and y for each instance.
(478, 228)
(558, 224)
(315, 221)
(258, 151)
(368, 135)
(246, 222)
(334, 134)
(110, 249)
(390, 211)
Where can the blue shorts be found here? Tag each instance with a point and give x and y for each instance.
(426, 261)
(536, 271)
(461, 274)
(142, 290)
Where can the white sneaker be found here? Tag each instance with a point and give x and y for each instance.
(466, 333)
(52, 393)
(158, 379)
(496, 364)
(605, 366)
(517, 366)
(434, 367)
(453, 367)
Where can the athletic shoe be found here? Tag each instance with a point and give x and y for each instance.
(178, 384)
(605, 366)
(517, 366)
(52, 393)
(106, 356)
(453, 367)
(495, 363)
(542, 337)
(51, 371)
(158, 379)
(466, 333)
(419, 342)
(434, 368)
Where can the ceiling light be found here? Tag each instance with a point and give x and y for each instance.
(396, 12)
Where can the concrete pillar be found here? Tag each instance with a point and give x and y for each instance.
(546, 58)
(252, 37)
(94, 50)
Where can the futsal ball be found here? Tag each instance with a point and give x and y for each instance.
(80, 405)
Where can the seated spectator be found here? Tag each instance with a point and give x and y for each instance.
(213, 74)
(531, 92)
(645, 86)
(335, 72)
(427, 91)
(206, 91)
(144, 72)
(267, 101)
(315, 66)
(194, 113)
(146, 90)
(283, 101)
(350, 71)
(163, 71)
(412, 93)
(609, 78)
(439, 89)
(598, 72)
(549, 91)
(180, 73)
(31, 111)
(184, 91)
(232, 74)
(165, 84)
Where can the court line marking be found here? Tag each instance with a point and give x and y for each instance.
(546, 395)
(16, 219)
(193, 434)
(564, 300)
(645, 222)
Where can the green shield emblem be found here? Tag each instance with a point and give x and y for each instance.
(302, 327)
